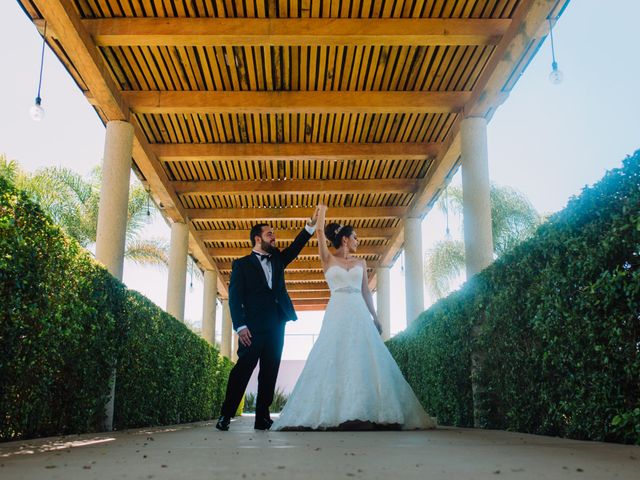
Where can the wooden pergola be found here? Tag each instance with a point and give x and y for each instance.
(247, 111)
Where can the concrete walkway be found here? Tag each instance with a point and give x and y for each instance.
(198, 451)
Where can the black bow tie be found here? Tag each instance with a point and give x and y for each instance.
(263, 256)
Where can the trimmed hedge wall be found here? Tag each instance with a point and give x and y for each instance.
(64, 320)
(169, 374)
(547, 339)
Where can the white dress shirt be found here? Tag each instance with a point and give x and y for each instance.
(265, 262)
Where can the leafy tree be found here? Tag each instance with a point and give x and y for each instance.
(73, 202)
(513, 219)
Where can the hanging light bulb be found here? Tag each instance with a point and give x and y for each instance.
(36, 111)
(556, 76)
(191, 276)
(447, 232)
(149, 216)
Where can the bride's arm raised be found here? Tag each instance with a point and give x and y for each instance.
(368, 299)
(323, 250)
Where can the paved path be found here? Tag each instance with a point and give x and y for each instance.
(198, 451)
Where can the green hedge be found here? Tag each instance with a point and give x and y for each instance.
(183, 384)
(65, 323)
(547, 339)
(435, 356)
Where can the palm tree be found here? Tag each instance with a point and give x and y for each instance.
(9, 168)
(513, 219)
(68, 199)
(73, 202)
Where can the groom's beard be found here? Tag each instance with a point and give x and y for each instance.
(267, 247)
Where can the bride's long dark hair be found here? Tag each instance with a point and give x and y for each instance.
(335, 232)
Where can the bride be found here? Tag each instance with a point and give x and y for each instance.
(350, 380)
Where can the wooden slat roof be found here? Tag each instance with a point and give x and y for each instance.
(250, 111)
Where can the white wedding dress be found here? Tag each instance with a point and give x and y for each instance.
(350, 376)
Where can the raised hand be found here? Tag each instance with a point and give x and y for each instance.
(321, 213)
(323, 251)
(314, 218)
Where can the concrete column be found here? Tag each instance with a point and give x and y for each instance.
(383, 299)
(176, 286)
(227, 328)
(476, 205)
(478, 240)
(114, 196)
(112, 216)
(209, 306)
(414, 276)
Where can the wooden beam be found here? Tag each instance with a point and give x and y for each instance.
(263, 32)
(306, 251)
(308, 287)
(287, 235)
(310, 305)
(295, 276)
(438, 176)
(296, 265)
(321, 102)
(84, 57)
(293, 213)
(296, 187)
(65, 24)
(290, 277)
(303, 277)
(527, 30)
(295, 151)
(309, 295)
(313, 277)
(528, 22)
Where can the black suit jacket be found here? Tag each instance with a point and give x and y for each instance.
(251, 301)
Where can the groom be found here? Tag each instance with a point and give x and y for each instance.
(260, 306)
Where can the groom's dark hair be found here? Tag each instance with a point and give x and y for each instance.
(256, 231)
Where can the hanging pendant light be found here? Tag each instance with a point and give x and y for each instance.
(447, 233)
(191, 275)
(36, 111)
(149, 216)
(556, 76)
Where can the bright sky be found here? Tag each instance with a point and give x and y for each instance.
(548, 141)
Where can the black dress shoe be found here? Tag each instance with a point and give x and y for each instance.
(223, 423)
(263, 423)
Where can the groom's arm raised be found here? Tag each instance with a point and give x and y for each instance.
(290, 253)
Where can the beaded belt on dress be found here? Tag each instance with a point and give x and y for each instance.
(346, 290)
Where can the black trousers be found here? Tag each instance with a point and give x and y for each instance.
(266, 348)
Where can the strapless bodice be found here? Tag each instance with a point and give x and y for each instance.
(341, 280)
